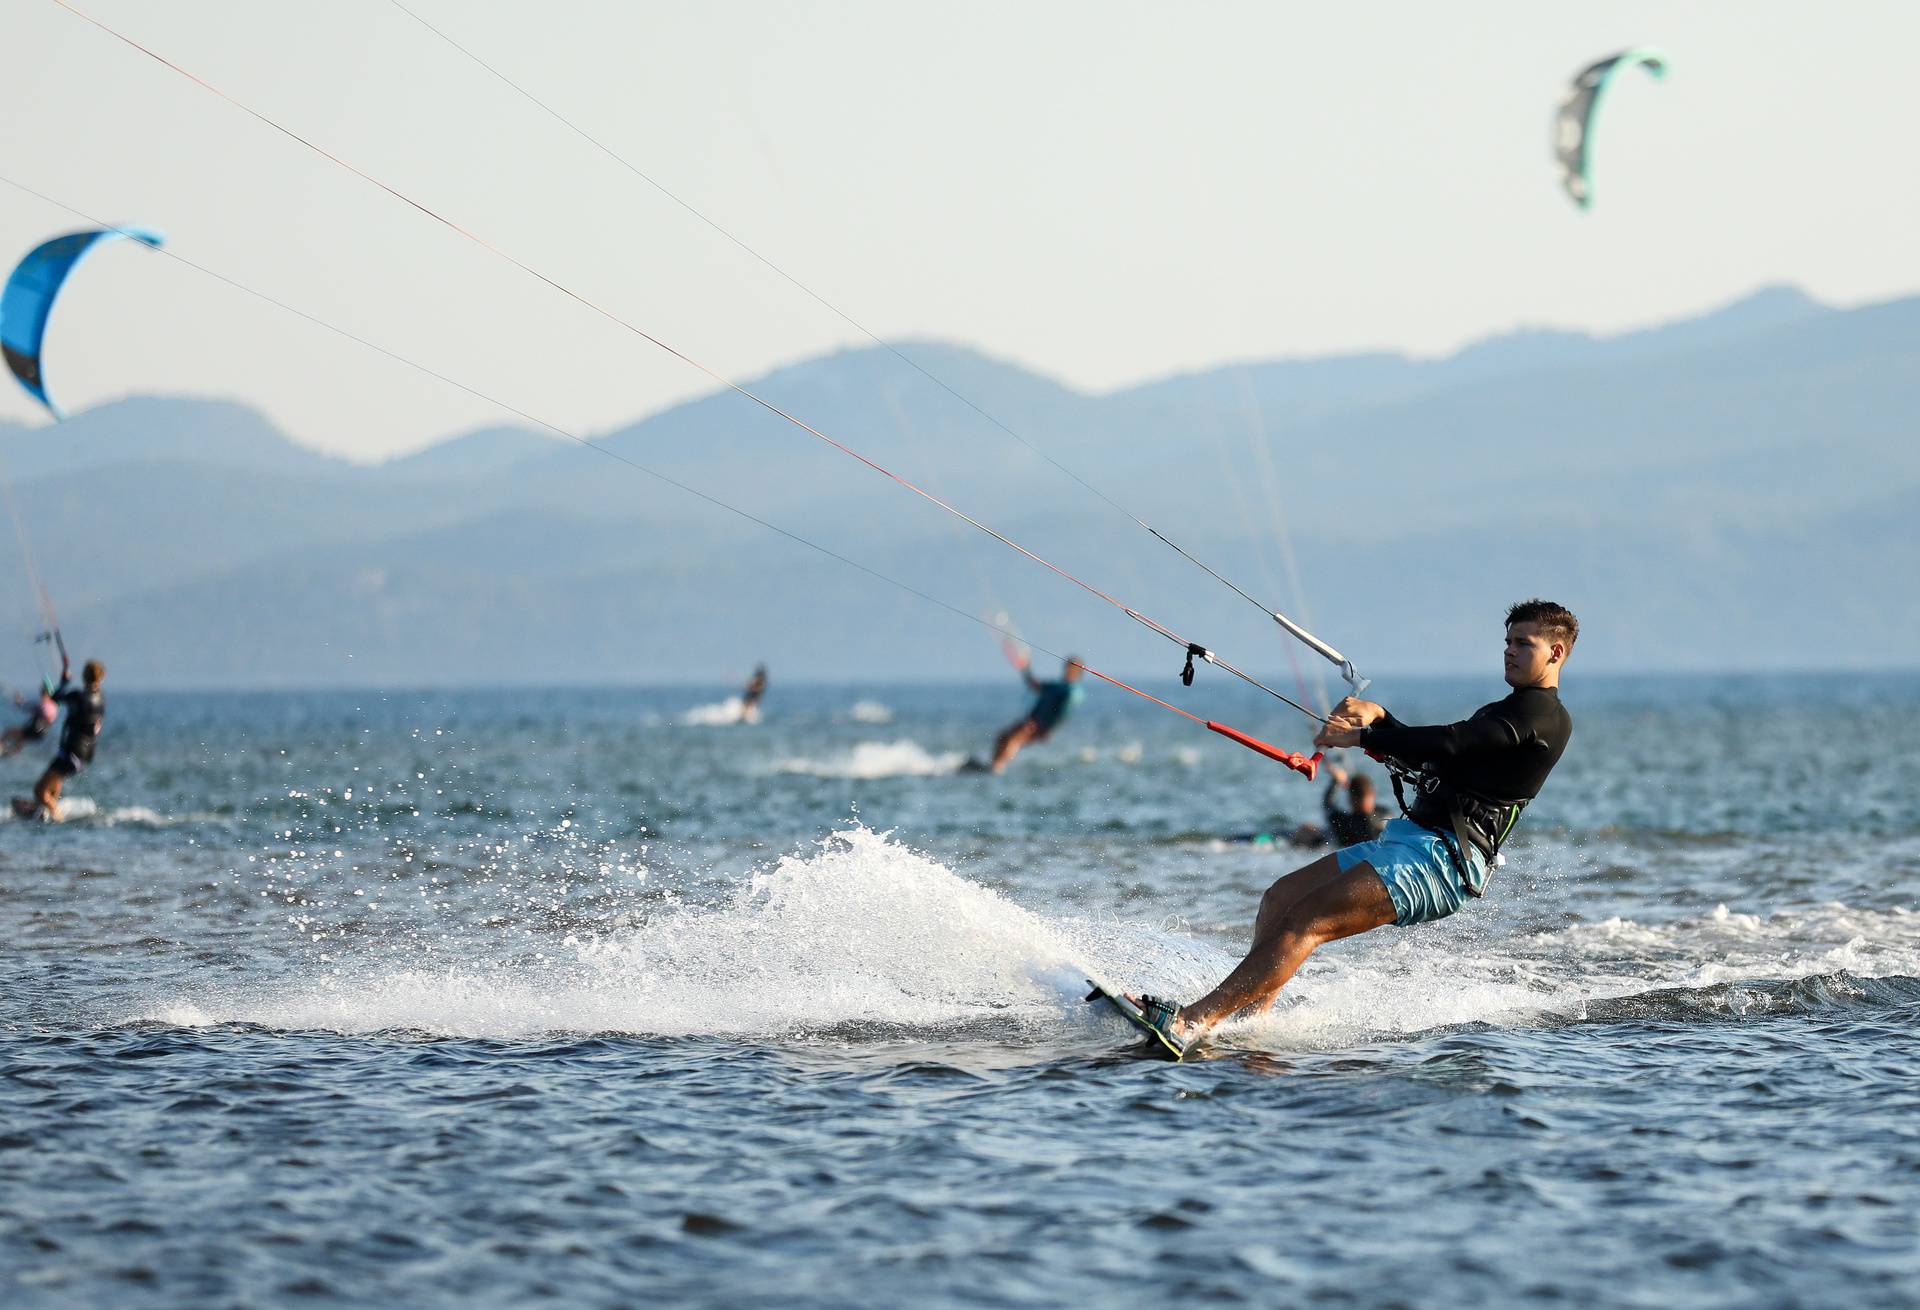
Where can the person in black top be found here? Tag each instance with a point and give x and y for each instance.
(1361, 820)
(86, 709)
(750, 697)
(1471, 779)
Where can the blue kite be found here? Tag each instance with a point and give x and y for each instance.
(30, 292)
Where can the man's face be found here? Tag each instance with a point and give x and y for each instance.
(1530, 655)
(1073, 670)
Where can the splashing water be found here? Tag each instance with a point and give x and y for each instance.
(720, 714)
(870, 711)
(864, 932)
(861, 931)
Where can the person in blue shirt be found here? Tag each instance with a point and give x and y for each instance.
(1052, 701)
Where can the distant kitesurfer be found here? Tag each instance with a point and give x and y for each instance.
(1052, 701)
(1471, 779)
(750, 697)
(86, 709)
(42, 710)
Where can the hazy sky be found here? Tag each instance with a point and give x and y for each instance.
(1106, 192)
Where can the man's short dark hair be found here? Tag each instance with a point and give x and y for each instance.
(1359, 785)
(1556, 622)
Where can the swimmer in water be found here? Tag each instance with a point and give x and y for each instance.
(1360, 820)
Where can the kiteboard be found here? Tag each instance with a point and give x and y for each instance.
(1158, 1044)
(26, 807)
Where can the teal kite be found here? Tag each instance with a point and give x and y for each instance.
(1573, 126)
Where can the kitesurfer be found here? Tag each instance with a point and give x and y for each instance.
(42, 710)
(86, 708)
(750, 697)
(1052, 701)
(1471, 779)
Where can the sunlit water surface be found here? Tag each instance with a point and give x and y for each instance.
(489, 998)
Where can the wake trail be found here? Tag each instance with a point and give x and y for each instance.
(863, 934)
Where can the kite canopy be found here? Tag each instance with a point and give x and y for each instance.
(28, 299)
(1573, 126)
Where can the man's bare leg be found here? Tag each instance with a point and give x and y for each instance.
(1288, 892)
(1011, 742)
(47, 791)
(1349, 903)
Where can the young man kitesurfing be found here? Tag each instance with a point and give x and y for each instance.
(1469, 780)
(86, 708)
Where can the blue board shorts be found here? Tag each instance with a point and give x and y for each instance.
(1417, 866)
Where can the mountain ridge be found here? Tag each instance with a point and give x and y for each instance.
(1634, 474)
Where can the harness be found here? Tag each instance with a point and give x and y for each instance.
(1481, 820)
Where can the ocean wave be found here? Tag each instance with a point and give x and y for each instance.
(877, 759)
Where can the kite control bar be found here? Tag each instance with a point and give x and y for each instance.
(1309, 765)
(59, 643)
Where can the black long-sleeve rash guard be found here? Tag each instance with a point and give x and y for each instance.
(86, 710)
(1502, 753)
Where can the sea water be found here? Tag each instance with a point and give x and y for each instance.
(604, 998)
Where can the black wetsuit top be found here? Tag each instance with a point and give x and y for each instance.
(85, 711)
(1485, 767)
(1052, 703)
(1350, 827)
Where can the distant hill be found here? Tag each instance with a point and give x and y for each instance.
(149, 428)
(1735, 487)
(484, 453)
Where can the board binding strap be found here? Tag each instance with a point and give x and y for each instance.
(1160, 1043)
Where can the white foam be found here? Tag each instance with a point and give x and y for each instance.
(84, 809)
(870, 711)
(877, 759)
(66, 809)
(864, 931)
(1392, 984)
(721, 714)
